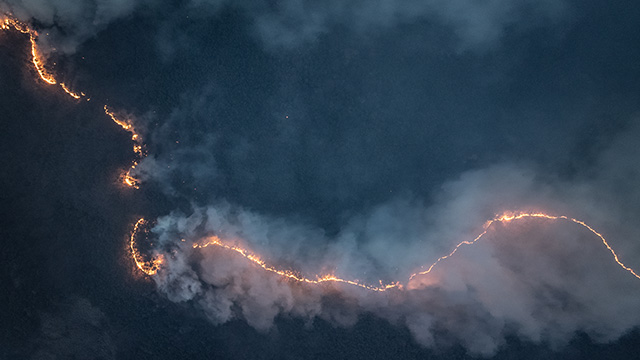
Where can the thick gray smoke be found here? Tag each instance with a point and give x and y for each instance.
(543, 280)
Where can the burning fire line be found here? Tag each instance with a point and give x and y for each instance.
(74, 95)
(147, 267)
(38, 63)
(505, 218)
(126, 124)
(8, 23)
(215, 241)
(152, 267)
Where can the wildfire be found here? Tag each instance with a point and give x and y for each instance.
(9, 23)
(148, 267)
(507, 217)
(151, 268)
(71, 93)
(37, 58)
(215, 241)
(127, 178)
(38, 62)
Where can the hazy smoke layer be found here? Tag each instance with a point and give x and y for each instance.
(542, 280)
(288, 23)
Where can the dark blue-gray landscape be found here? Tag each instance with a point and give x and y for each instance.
(361, 138)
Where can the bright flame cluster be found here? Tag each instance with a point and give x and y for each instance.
(151, 268)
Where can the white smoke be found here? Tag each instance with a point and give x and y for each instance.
(542, 280)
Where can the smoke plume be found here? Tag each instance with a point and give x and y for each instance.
(542, 280)
(288, 24)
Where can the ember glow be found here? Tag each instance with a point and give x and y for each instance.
(150, 268)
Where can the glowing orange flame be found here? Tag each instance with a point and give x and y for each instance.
(36, 57)
(71, 93)
(130, 180)
(127, 178)
(152, 267)
(123, 123)
(507, 217)
(295, 276)
(10, 23)
(215, 241)
(148, 267)
(38, 63)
